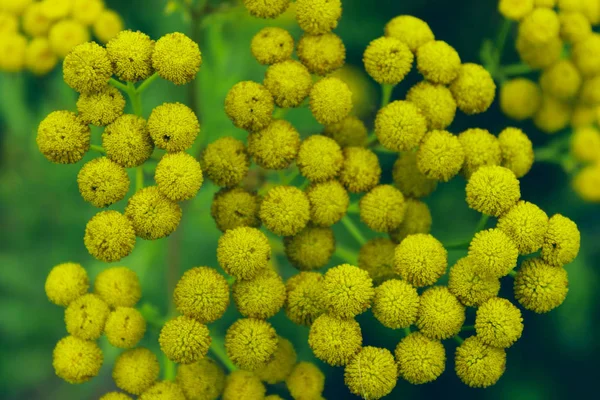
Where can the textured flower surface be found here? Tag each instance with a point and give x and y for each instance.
(372, 374)
(335, 341)
(420, 359)
(347, 291)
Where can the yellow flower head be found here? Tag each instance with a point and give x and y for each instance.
(108, 25)
(178, 176)
(409, 179)
(441, 315)
(109, 236)
(435, 102)
(361, 171)
(372, 374)
(438, 62)
(474, 89)
(136, 370)
(311, 248)
(583, 116)
(176, 58)
(65, 283)
(417, 219)
(334, 340)
(65, 35)
(173, 127)
(34, 22)
(15, 7)
(9, 23)
(85, 317)
(382, 209)
(553, 115)
(306, 381)
(102, 182)
(266, 8)
(87, 11)
(225, 161)
(574, 26)
(289, 82)
(545, 3)
(493, 190)
(377, 258)
(243, 252)
(320, 158)
(272, 45)
(125, 327)
(39, 57)
(330, 100)
(164, 390)
(127, 141)
(520, 98)
(586, 55)
(276, 146)
(63, 137)
(400, 126)
(388, 60)
(470, 284)
(540, 287)
(251, 343)
(589, 92)
(541, 55)
(232, 208)
(202, 293)
(115, 396)
(412, 31)
(56, 9)
(494, 252)
(477, 364)
(420, 259)
(515, 9)
(118, 287)
(440, 156)
(350, 131)
(328, 202)
(561, 81)
(517, 151)
(285, 210)
(498, 323)
(131, 55)
(243, 385)
(321, 54)
(101, 108)
(420, 359)
(540, 26)
(347, 291)
(481, 148)
(76, 360)
(281, 365)
(152, 214)
(396, 304)
(262, 297)
(184, 340)
(249, 105)
(587, 183)
(562, 240)
(203, 380)
(12, 52)
(526, 224)
(304, 293)
(318, 16)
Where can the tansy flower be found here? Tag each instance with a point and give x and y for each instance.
(76, 360)
(409, 179)
(420, 259)
(328, 202)
(474, 89)
(515, 9)
(12, 51)
(540, 287)
(109, 236)
(377, 258)
(243, 385)
(9, 22)
(586, 55)
(305, 381)
(438, 62)
(281, 365)
(16, 7)
(101, 108)
(420, 359)
(266, 8)
(65, 283)
(251, 343)
(56, 9)
(85, 317)
(152, 214)
(203, 380)
(561, 80)
(243, 252)
(494, 252)
(498, 323)
(39, 57)
(330, 100)
(87, 11)
(382, 209)
(318, 16)
(526, 224)
(232, 208)
(396, 304)
(388, 60)
(561, 242)
(107, 25)
(127, 141)
(131, 55)
(65, 35)
(417, 219)
(493, 190)
(553, 115)
(173, 127)
(176, 58)
(163, 390)
(540, 26)
(520, 98)
(400, 126)
(361, 171)
(347, 291)
(441, 315)
(311, 248)
(440, 156)
(136, 370)
(321, 54)
(115, 396)
(589, 92)
(63, 137)
(202, 293)
(470, 284)
(102, 182)
(412, 31)
(335, 341)
(249, 105)
(184, 340)
(261, 297)
(517, 151)
(289, 82)
(319, 158)
(435, 102)
(272, 45)
(276, 146)
(34, 22)
(372, 374)
(350, 131)
(541, 55)
(226, 161)
(582, 116)
(178, 176)
(304, 303)
(477, 364)
(481, 148)
(574, 26)
(125, 327)
(587, 183)
(118, 287)
(285, 210)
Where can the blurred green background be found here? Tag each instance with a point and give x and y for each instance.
(42, 215)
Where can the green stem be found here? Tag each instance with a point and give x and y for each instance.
(280, 113)
(482, 222)
(457, 246)
(346, 254)
(97, 148)
(118, 85)
(170, 369)
(286, 180)
(136, 99)
(386, 94)
(458, 339)
(304, 184)
(353, 229)
(468, 328)
(501, 40)
(146, 84)
(381, 149)
(407, 330)
(372, 139)
(512, 273)
(139, 178)
(217, 348)
(515, 69)
(353, 208)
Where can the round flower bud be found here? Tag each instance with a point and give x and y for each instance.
(335, 341)
(87, 68)
(498, 323)
(350, 131)
(232, 208)
(412, 31)
(400, 126)
(107, 26)
(474, 89)
(65, 283)
(39, 57)
(561, 81)
(65, 35)
(289, 82)
(262, 297)
(382, 209)
(587, 183)
(540, 287)
(420, 359)
(420, 259)
(202, 293)
(561, 242)
(477, 364)
(347, 291)
(409, 179)
(184, 340)
(127, 141)
(178, 176)
(311, 248)
(440, 156)
(438, 62)
(34, 22)
(243, 252)
(318, 16)
(583, 116)
(118, 287)
(470, 284)
(319, 158)
(102, 182)
(115, 396)
(441, 315)
(152, 214)
(281, 365)
(85, 317)
(586, 55)
(585, 144)
(388, 60)
(226, 161)
(176, 58)
(304, 298)
(377, 258)
(87, 11)
(125, 327)
(285, 210)
(515, 10)
(328, 202)
(493, 190)
(330, 100)
(540, 26)
(173, 127)
(63, 137)
(164, 390)
(481, 148)
(249, 105)
(417, 219)
(15, 7)
(203, 380)
(396, 304)
(361, 171)
(494, 252)
(131, 55)
(520, 98)
(243, 385)
(101, 108)
(372, 374)
(76, 360)
(306, 381)
(272, 45)
(574, 26)
(251, 343)
(321, 54)
(136, 370)
(109, 236)
(517, 151)
(276, 146)
(435, 102)
(541, 55)
(589, 92)
(553, 115)
(526, 224)
(266, 8)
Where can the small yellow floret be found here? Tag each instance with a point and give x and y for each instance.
(318, 16)
(281, 365)
(498, 323)
(136, 370)
(553, 115)
(420, 359)
(388, 60)
(13, 47)
(306, 381)
(63, 137)
(164, 390)
(319, 158)
(202, 293)
(520, 98)
(131, 55)
(152, 214)
(481, 148)
(372, 374)
(493, 190)
(321, 54)
(226, 161)
(474, 89)
(66, 34)
(39, 57)
(311, 248)
(470, 284)
(76, 360)
(176, 58)
(438, 62)
(102, 182)
(251, 343)
(115, 396)
(118, 287)
(86, 316)
(178, 176)
(272, 45)
(382, 209)
(243, 385)
(330, 100)
(125, 327)
(361, 171)
(562, 80)
(34, 22)
(589, 94)
(101, 108)
(526, 224)
(249, 105)
(412, 31)
(276, 146)
(440, 156)
(515, 9)
(540, 287)
(400, 126)
(266, 8)
(285, 210)
(586, 55)
(539, 56)
(377, 258)
(561, 242)
(347, 291)
(494, 252)
(540, 26)
(232, 208)
(328, 202)
(108, 25)
(435, 102)
(127, 141)
(409, 179)
(396, 304)
(417, 219)
(184, 340)
(289, 82)
(243, 252)
(517, 151)
(87, 11)
(586, 183)
(441, 315)
(109, 236)
(420, 259)
(334, 340)
(65, 283)
(350, 131)
(204, 380)
(304, 293)
(173, 127)
(477, 364)
(574, 26)
(261, 297)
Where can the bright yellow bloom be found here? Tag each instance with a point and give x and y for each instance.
(261, 297)
(562, 80)
(56, 9)
(152, 214)
(109, 236)
(203, 380)
(409, 179)
(13, 47)
(178, 176)
(65, 283)
(545, 3)
(541, 55)
(474, 89)
(202, 293)
(361, 171)
(493, 190)
(306, 381)
(498, 323)
(108, 25)
(494, 252)
(526, 224)
(388, 60)
(481, 148)
(420, 359)
(553, 115)
(136, 370)
(540, 287)
(377, 258)
(9, 23)
(118, 287)
(334, 340)
(417, 219)
(435, 102)
(232, 208)
(574, 26)
(520, 98)
(251, 343)
(350, 131)
(285, 210)
(589, 92)
(362, 88)
(477, 364)
(102, 182)
(266, 8)
(382, 209)
(125, 327)
(243, 252)
(441, 315)
(176, 58)
(396, 304)
(372, 374)
(115, 396)
(412, 31)
(281, 365)
(347, 291)
(586, 183)
(440, 156)
(318, 16)
(243, 385)
(173, 127)
(515, 9)
(276, 146)
(34, 22)
(39, 57)
(321, 54)
(540, 26)
(311, 248)
(583, 116)
(76, 360)
(131, 55)
(15, 7)
(562, 241)
(319, 158)
(65, 35)
(226, 161)
(438, 62)
(272, 45)
(400, 126)
(127, 141)
(63, 137)
(85, 317)
(517, 151)
(184, 340)
(330, 100)
(304, 304)
(289, 82)
(470, 284)
(87, 11)
(586, 55)
(101, 108)
(420, 259)
(328, 202)
(164, 390)
(249, 105)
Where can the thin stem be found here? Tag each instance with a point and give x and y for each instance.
(482, 222)
(371, 139)
(468, 328)
(136, 100)
(217, 348)
(512, 273)
(386, 94)
(290, 177)
(501, 40)
(170, 369)
(407, 331)
(304, 184)
(457, 246)
(353, 230)
(144, 85)
(381, 149)
(97, 148)
(118, 85)
(458, 339)
(139, 178)
(280, 113)
(353, 208)
(515, 69)
(346, 254)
